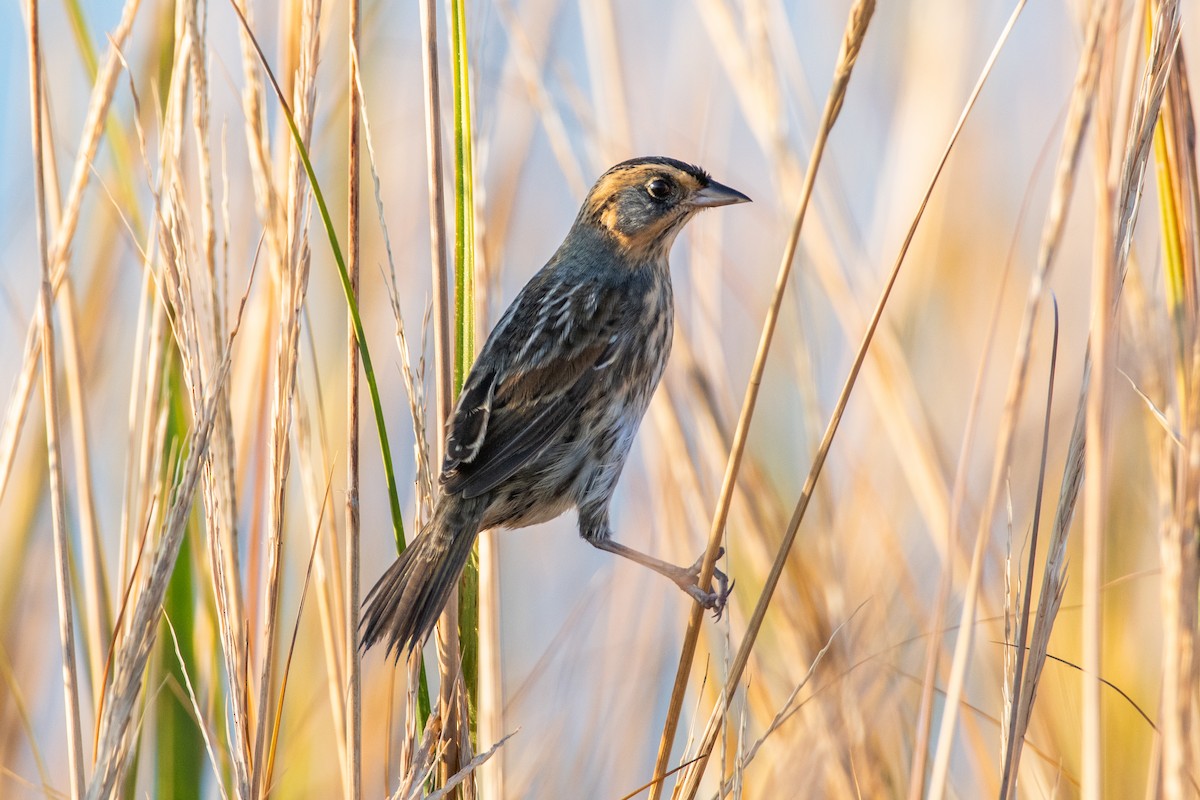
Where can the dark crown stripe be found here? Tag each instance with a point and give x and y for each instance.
(696, 172)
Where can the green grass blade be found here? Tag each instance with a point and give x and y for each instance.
(464, 324)
(178, 751)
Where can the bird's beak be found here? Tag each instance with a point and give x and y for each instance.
(717, 194)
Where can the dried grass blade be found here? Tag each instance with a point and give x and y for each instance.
(468, 770)
(1012, 755)
(131, 656)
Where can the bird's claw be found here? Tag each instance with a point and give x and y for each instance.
(713, 601)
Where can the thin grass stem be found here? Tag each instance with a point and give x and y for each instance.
(860, 17)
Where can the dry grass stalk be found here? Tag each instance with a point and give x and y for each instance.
(465, 775)
(97, 621)
(442, 321)
(414, 382)
(890, 383)
(442, 342)
(316, 465)
(856, 28)
(1180, 576)
(146, 372)
(132, 652)
(1015, 657)
(219, 487)
(58, 506)
(146, 448)
(454, 625)
(1179, 480)
(293, 293)
(423, 762)
(287, 665)
(1119, 193)
(452, 695)
(410, 743)
(266, 194)
(1102, 348)
(94, 612)
(353, 732)
(219, 493)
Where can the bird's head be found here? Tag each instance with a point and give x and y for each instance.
(644, 202)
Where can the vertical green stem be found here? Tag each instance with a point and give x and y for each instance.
(179, 755)
(464, 321)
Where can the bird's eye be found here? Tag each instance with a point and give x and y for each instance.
(658, 188)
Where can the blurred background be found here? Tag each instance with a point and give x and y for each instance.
(589, 644)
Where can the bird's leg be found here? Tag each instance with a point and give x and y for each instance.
(686, 578)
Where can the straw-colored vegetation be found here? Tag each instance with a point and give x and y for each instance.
(936, 394)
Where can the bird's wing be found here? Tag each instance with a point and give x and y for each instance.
(531, 376)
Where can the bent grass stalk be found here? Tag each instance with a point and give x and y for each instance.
(860, 17)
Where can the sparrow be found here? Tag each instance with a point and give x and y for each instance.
(550, 408)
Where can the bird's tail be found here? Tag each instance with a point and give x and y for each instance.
(404, 605)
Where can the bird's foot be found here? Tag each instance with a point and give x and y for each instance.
(714, 601)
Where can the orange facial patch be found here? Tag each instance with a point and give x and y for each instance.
(605, 200)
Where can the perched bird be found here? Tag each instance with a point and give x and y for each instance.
(548, 413)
